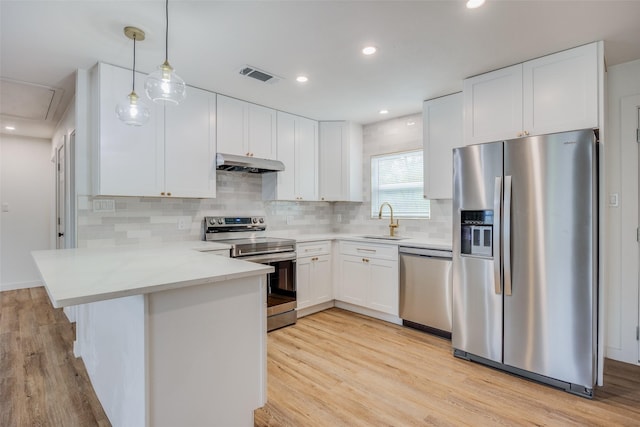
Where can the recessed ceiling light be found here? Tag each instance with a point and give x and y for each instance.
(472, 4)
(411, 123)
(10, 127)
(369, 50)
(384, 111)
(302, 79)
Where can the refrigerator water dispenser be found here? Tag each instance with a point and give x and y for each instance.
(477, 233)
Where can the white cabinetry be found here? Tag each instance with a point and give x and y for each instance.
(298, 150)
(369, 276)
(340, 161)
(246, 129)
(442, 127)
(555, 93)
(171, 155)
(314, 279)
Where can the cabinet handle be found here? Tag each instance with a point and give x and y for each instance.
(314, 258)
(168, 194)
(373, 251)
(322, 198)
(248, 154)
(312, 250)
(526, 133)
(162, 194)
(365, 260)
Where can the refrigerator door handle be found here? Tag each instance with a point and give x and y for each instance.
(507, 235)
(497, 199)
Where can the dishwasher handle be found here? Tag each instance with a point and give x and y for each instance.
(430, 253)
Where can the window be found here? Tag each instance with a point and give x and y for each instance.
(397, 179)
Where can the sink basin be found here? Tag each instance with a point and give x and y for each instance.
(383, 237)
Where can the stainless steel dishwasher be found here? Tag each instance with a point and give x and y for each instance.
(425, 290)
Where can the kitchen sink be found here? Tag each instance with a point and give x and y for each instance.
(383, 237)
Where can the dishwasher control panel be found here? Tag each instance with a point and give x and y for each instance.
(477, 233)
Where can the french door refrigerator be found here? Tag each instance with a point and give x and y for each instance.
(525, 257)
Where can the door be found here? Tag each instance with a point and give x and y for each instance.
(477, 292)
(306, 162)
(60, 195)
(550, 247)
(353, 280)
(262, 132)
(383, 285)
(231, 126)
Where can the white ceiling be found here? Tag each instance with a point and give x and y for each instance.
(425, 48)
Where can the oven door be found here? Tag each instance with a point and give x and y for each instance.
(281, 287)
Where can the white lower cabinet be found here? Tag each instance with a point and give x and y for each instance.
(313, 274)
(368, 276)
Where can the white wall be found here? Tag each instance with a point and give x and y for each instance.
(621, 280)
(27, 186)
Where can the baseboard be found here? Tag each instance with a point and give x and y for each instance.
(19, 285)
(369, 312)
(314, 309)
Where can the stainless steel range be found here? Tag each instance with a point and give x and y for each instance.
(246, 235)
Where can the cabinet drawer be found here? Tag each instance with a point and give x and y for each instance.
(370, 251)
(313, 248)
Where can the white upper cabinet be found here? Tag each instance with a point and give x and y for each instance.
(561, 91)
(171, 155)
(190, 146)
(442, 128)
(555, 93)
(246, 129)
(298, 151)
(127, 160)
(493, 106)
(340, 162)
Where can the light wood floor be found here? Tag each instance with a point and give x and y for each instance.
(41, 382)
(337, 368)
(333, 368)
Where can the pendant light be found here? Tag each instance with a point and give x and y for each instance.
(132, 111)
(164, 86)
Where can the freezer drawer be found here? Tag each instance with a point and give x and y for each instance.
(425, 289)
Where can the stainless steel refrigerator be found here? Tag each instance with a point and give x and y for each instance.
(525, 257)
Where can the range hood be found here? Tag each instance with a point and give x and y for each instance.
(232, 162)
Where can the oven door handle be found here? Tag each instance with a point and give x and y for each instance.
(263, 259)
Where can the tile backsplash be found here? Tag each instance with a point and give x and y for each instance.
(141, 221)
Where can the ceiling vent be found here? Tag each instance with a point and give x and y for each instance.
(258, 74)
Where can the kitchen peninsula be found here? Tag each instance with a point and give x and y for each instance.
(170, 336)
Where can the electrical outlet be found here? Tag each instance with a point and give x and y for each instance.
(182, 223)
(338, 218)
(289, 219)
(104, 205)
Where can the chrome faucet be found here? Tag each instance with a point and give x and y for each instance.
(392, 225)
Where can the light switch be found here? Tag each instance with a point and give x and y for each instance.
(613, 199)
(5, 207)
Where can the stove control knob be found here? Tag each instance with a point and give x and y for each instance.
(254, 220)
(212, 221)
(261, 220)
(220, 221)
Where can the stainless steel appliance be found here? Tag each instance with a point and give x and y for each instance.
(525, 257)
(248, 242)
(425, 289)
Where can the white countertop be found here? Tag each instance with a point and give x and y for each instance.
(415, 241)
(79, 276)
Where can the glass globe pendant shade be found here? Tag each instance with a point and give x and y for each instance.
(133, 112)
(164, 86)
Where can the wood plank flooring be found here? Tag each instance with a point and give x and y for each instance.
(41, 382)
(337, 368)
(333, 368)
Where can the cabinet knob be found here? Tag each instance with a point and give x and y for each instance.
(168, 194)
(519, 134)
(162, 194)
(526, 132)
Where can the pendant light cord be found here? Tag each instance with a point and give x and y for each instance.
(133, 72)
(166, 33)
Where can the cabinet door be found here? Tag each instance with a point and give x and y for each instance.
(286, 154)
(561, 91)
(190, 147)
(322, 287)
(231, 126)
(383, 286)
(262, 132)
(306, 159)
(493, 106)
(353, 280)
(442, 129)
(128, 159)
(333, 163)
(304, 277)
